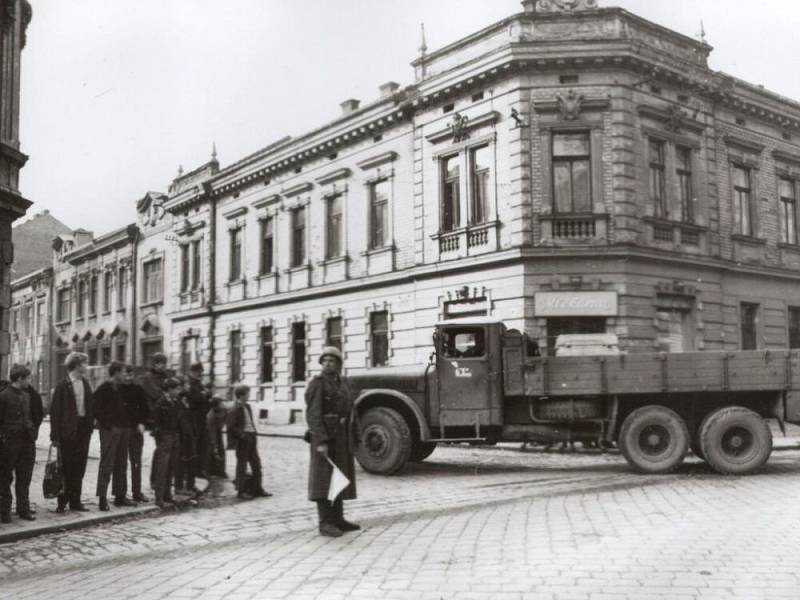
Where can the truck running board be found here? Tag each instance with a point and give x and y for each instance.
(457, 440)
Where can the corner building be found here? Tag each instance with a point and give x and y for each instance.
(568, 169)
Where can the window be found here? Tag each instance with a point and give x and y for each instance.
(105, 354)
(93, 283)
(565, 325)
(658, 192)
(683, 169)
(196, 265)
(379, 338)
(82, 293)
(235, 355)
(15, 320)
(333, 229)
(149, 348)
(25, 324)
(794, 327)
(571, 172)
(29, 331)
(152, 283)
(185, 267)
(41, 320)
(479, 160)
(121, 352)
(189, 352)
(378, 214)
(749, 320)
(298, 237)
(464, 342)
(108, 290)
(333, 332)
(788, 208)
(92, 353)
(122, 288)
(267, 256)
(298, 351)
(266, 355)
(235, 269)
(451, 209)
(40, 383)
(742, 222)
(62, 308)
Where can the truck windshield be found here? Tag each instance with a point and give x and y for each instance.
(464, 342)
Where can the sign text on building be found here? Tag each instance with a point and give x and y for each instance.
(576, 304)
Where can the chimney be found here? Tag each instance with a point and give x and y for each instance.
(82, 237)
(349, 106)
(388, 88)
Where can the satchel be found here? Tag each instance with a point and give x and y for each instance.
(53, 482)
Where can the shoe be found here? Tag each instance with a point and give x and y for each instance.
(26, 516)
(329, 530)
(140, 498)
(196, 491)
(5, 518)
(164, 504)
(122, 501)
(80, 508)
(103, 504)
(61, 508)
(244, 496)
(263, 494)
(169, 500)
(346, 525)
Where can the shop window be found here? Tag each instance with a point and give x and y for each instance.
(572, 172)
(748, 314)
(566, 325)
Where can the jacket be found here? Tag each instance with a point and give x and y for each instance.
(11, 410)
(165, 417)
(329, 414)
(186, 418)
(215, 419)
(64, 412)
(235, 422)
(135, 401)
(109, 406)
(152, 383)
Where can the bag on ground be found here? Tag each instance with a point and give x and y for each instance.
(53, 482)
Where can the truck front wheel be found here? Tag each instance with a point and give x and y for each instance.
(385, 441)
(654, 439)
(735, 440)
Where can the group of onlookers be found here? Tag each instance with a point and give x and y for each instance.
(180, 413)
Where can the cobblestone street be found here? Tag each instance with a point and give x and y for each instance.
(467, 524)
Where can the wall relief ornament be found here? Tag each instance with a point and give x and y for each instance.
(459, 127)
(570, 105)
(564, 5)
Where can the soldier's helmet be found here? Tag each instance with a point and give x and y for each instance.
(331, 351)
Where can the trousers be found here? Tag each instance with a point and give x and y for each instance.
(247, 453)
(74, 453)
(17, 455)
(135, 445)
(164, 459)
(114, 444)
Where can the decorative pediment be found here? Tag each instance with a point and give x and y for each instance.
(552, 6)
(571, 105)
(333, 176)
(297, 189)
(460, 127)
(268, 201)
(235, 212)
(187, 227)
(151, 325)
(377, 160)
(151, 209)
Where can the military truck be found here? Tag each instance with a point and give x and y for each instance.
(486, 384)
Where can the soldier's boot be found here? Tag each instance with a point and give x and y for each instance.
(341, 522)
(326, 517)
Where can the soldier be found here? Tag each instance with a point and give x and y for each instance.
(331, 425)
(71, 424)
(20, 417)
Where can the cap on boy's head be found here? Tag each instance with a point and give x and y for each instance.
(196, 367)
(331, 351)
(158, 358)
(240, 391)
(171, 383)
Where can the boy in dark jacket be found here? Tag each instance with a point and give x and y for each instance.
(186, 469)
(215, 420)
(135, 400)
(242, 437)
(166, 431)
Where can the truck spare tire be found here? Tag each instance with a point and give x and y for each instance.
(385, 441)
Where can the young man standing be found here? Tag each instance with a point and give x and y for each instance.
(71, 423)
(138, 411)
(20, 417)
(115, 432)
(166, 430)
(152, 382)
(198, 399)
(242, 437)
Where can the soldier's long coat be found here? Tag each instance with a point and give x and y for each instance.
(329, 414)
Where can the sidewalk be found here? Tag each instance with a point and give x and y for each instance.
(49, 521)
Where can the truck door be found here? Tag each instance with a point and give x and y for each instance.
(468, 376)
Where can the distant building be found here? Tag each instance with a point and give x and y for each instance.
(33, 240)
(14, 19)
(568, 169)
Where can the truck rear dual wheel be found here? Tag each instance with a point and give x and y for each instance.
(654, 439)
(735, 440)
(385, 441)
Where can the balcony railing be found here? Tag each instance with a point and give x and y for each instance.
(571, 228)
(466, 241)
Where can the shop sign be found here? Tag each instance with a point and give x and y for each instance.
(575, 304)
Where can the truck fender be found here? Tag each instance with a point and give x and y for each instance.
(408, 403)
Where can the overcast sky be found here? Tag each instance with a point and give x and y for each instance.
(116, 95)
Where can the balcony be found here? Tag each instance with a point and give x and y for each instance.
(467, 241)
(676, 236)
(574, 228)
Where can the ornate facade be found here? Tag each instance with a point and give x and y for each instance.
(15, 15)
(567, 169)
